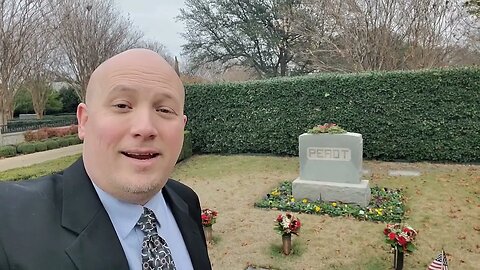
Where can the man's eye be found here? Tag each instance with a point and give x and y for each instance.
(121, 106)
(166, 110)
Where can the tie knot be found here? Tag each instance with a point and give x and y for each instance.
(147, 222)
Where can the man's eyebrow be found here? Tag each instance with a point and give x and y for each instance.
(119, 89)
(122, 89)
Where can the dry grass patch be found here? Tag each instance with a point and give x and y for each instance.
(443, 204)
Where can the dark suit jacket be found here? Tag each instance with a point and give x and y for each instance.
(57, 222)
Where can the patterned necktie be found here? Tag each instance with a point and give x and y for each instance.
(155, 252)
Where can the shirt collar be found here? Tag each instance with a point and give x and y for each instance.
(124, 215)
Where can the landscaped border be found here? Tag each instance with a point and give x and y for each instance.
(386, 205)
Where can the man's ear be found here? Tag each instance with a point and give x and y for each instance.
(184, 121)
(82, 118)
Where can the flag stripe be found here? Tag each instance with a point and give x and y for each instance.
(440, 263)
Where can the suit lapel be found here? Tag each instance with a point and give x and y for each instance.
(97, 245)
(191, 235)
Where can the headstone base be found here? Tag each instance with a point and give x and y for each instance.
(332, 191)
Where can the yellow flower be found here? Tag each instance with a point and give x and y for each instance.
(334, 204)
(317, 208)
(275, 192)
(305, 201)
(292, 199)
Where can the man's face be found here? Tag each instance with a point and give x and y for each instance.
(133, 131)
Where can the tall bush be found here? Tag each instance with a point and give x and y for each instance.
(417, 115)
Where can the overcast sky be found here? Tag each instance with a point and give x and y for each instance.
(156, 19)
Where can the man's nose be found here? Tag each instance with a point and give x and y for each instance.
(143, 124)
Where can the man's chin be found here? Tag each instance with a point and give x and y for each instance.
(141, 189)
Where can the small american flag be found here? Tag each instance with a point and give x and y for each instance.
(440, 263)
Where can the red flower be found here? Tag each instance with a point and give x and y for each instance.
(279, 218)
(400, 236)
(208, 217)
(287, 224)
(402, 241)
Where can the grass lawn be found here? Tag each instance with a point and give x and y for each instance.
(38, 169)
(443, 204)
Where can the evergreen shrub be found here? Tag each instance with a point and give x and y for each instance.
(8, 151)
(431, 115)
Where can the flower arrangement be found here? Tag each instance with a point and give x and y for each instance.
(386, 204)
(399, 236)
(327, 128)
(286, 224)
(209, 217)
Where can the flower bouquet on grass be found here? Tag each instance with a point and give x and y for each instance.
(286, 225)
(401, 238)
(209, 217)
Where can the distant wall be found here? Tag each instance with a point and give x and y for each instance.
(12, 138)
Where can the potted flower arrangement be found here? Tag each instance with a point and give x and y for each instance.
(330, 128)
(401, 238)
(286, 225)
(209, 217)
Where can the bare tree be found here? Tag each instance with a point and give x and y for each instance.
(19, 28)
(473, 7)
(255, 34)
(320, 37)
(159, 48)
(383, 34)
(469, 53)
(39, 89)
(42, 60)
(89, 32)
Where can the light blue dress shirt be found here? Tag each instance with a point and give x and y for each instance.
(124, 217)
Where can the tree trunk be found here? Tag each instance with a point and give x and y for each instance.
(39, 114)
(283, 62)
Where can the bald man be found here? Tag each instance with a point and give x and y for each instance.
(96, 214)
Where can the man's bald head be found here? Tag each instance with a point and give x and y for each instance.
(132, 124)
(135, 61)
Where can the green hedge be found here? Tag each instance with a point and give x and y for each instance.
(48, 119)
(8, 151)
(187, 146)
(52, 144)
(429, 115)
(41, 146)
(38, 146)
(26, 148)
(63, 142)
(72, 140)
